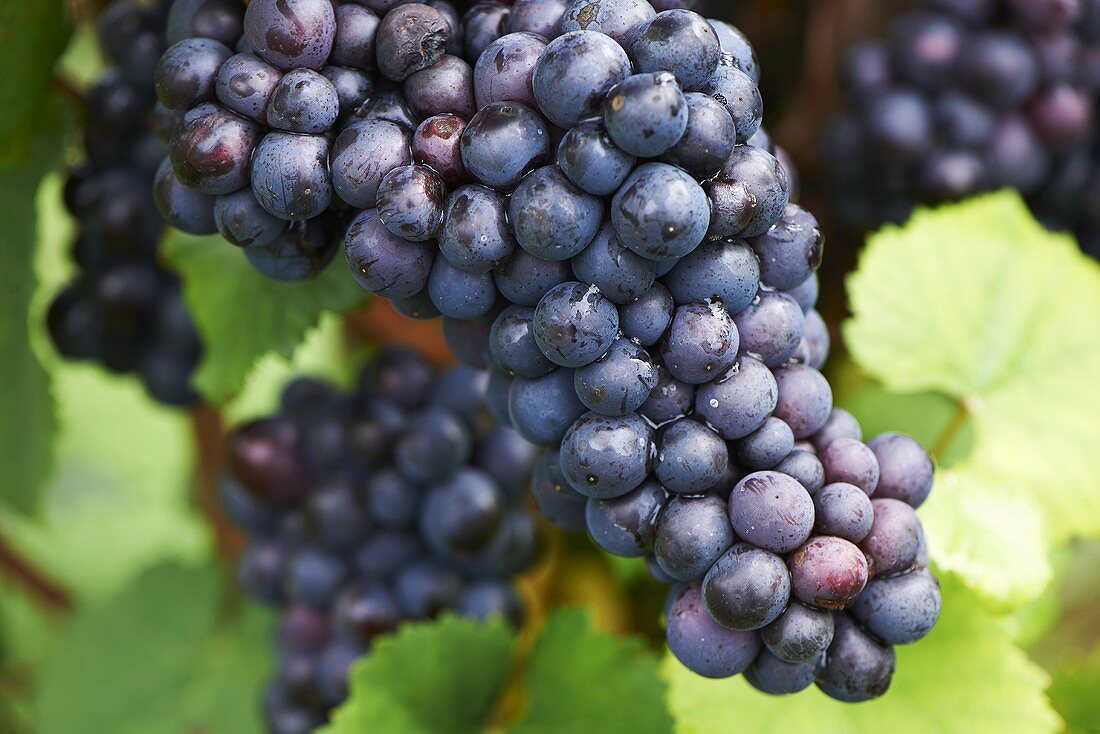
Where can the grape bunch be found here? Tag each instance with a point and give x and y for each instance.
(613, 236)
(396, 501)
(123, 309)
(966, 96)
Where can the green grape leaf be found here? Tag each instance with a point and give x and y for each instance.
(1073, 694)
(165, 655)
(430, 678)
(27, 420)
(581, 679)
(966, 677)
(121, 487)
(986, 531)
(33, 34)
(243, 315)
(978, 302)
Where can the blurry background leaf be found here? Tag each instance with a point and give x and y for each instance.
(242, 315)
(966, 677)
(118, 502)
(166, 655)
(430, 678)
(32, 33)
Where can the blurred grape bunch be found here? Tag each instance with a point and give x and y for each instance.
(962, 97)
(397, 501)
(123, 309)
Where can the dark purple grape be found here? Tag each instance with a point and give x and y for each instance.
(487, 600)
(681, 42)
(620, 19)
(772, 511)
(410, 37)
(747, 588)
(999, 68)
(575, 325)
(905, 468)
(707, 141)
(840, 424)
(800, 634)
(765, 447)
(627, 525)
(503, 142)
(475, 235)
(589, 158)
(434, 446)
(692, 533)
(552, 219)
(364, 613)
(856, 667)
(701, 343)
(221, 20)
(605, 457)
(828, 572)
(542, 410)
(804, 467)
(185, 75)
(523, 278)
(739, 402)
(899, 610)
(791, 250)
(850, 460)
(776, 677)
(502, 453)
(313, 577)
(481, 25)
(444, 87)
(504, 70)
(242, 221)
(303, 102)
(618, 383)
(460, 294)
(245, 84)
(290, 175)
(646, 114)
(964, 122)
(437, 144)
(701, 644)
(183, 208)
(736, 49)
(894, 541)
(925, 48)
(898, 123)
(575, 73)
(605, 263)
(410, 203)
(843, 510)
(391, 499)
(646, 319)
(213, 149)
(669, 400)
(749, 194)
(302, 251)
(770, 327)
(362, 156)
(512, 346)
(1062, 116)
(1016, 158)
(542, 17)
(461, 515)
(383, 263)
(512, 549)
(691, 458)
(723, 271)
(805, 399)
(559, 503)
(425, 588)
(260, 570)
(466, 340)
(353, 45)
(806, 293)
(740, 96)
(660, 212)
(291, 33)
(353, 88)
(387, 105)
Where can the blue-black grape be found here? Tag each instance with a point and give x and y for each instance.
(739, 402)
(552, 219)
(708, 139)
(627, 525)
(772, 511)
(691, 458)
(242, 221)
(361, 157)
(604, 456)
(619, 383)
(843, 510)
(645, 319)
(575, 325)
(186, 73)
(444, 87)
(905, 469)
(899, 610)
(701, 644)
(542, 17)
(504, 70)
(620, 19)
(575, 73)
(701, 343)
(410, 202)
(895, 538)
(669, 400)
(559, 503)
(747, 588)
(692, 533)
(291, 33)
(850, 460)
(800, 634)
(660, 212)
(543, 409)
(290, 175)
(765, 447)
(646, 114)
(303, 101)
(776, 677)
(857, 668)
(512, 346)
(621, 275)
(591, 160)
(384, 263)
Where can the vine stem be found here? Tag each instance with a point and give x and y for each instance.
(951, 431)
(208, 431)
(46, 591)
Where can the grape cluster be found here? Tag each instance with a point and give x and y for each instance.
(395, 502)
(122, 308)
(965, 96)
(612, 235)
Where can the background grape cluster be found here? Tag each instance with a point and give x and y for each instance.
(396, 501)
(965, 96)
(123, 309)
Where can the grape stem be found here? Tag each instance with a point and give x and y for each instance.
(951, 430)
(44, 590)
(208, 431)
